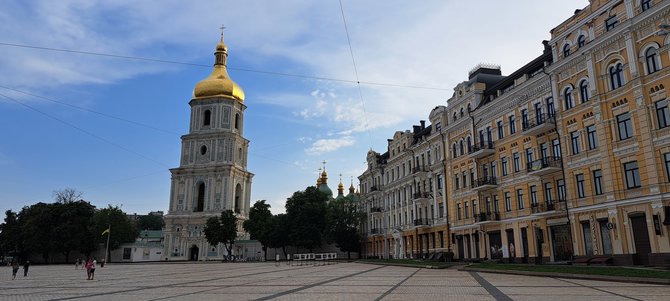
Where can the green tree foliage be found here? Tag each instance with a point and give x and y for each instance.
(123, 229)
(73, 229)
(150, 222)
(258, 223)
(343, 220)
(37, 229)
(222, 230)
(10, 234)
(279, 232)
(307, 211)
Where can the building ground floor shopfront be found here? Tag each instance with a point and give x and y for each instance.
(425, 242)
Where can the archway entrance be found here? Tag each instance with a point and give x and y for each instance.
(193, 253)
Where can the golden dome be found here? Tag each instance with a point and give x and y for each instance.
(218, 83)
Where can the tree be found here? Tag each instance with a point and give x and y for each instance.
(37, 229)
(150, 222)
(258, 223)
(123, 230)
(67, 195)
(222, 230)
(10, 234)
(72, 230)
(279, 229)
(342, 228)
(307, 212)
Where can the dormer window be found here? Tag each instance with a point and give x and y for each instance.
(645, 4)
(581, 41)
(611, 22)
(566, 50)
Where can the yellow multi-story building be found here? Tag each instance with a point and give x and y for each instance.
(610, 72)
(567, 158)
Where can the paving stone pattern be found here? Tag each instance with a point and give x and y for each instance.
(267, 281)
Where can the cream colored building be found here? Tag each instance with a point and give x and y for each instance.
(212, 176)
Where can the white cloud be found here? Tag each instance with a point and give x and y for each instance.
(329, 145)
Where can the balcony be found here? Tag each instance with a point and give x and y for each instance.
(376, 211)
(485, 183)
(423, 198)
(423, 222)
(419, 171)
(543, 166)
(375, 189)
(540, 124)
(481, 150)
(377, 231)
(487, 217)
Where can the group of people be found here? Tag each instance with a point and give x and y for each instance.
(89, 265)
(15, 268)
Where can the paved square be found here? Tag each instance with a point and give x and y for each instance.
(266, 281)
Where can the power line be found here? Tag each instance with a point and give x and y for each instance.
(83, 130)
(358, 83)
(153, 60)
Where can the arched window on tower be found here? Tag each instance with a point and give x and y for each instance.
(238, 198)
(200, 202)
(207, 118)
(237, 121)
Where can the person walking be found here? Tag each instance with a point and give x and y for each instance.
(87, 266)
(15, 268)
(26, 265)
(93, 263)
(77, 263)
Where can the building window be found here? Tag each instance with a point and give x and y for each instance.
(503, 165)
(632, 175)
(548, 194)
(519, 198)
(533, 195)
(574, 142)
(465, 210)
(611, 22)
(464, 178)
(517, 162)
(566, 50)
(501, 129)
(645, 4)
(581, 41)
(592, 137)
(494, 169)
(474, 208)
(579, 179)
(567, 96)
(237, 121)
(651, 58)
(453, 150)
(556, 147)
(508, 202)
(666, 159)
(529, 155)
(207, 118)
(584, 90)
(544, 151)
(550, 107)
(460, 145)
(458, 210)
(616, 76)
(625, 126)
(597, 182)
(560, 185)
(496, 204)
(524, 118)
(512, 125)
(662, 113)
(588, 241)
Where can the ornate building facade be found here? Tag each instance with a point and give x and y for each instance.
(212, 175)
(567, 158)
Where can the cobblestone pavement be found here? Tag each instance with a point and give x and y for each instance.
(267, 281)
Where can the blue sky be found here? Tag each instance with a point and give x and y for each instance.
(111, 127)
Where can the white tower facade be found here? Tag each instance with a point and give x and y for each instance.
(212, 175)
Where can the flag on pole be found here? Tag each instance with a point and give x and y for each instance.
(105, 232)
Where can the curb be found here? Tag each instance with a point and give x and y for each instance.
(420, 266)
(572, 276)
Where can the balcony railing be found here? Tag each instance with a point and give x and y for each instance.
(373, 188)
(544, 166)
(419, 169)
(421, 195)
(423, 222)
(376, 210)
(487, 216)
(540, 124)
(481, 149)
(376, 231)
(484, 183)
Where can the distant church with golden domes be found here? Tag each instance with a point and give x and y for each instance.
(212, 175)
(322, 185)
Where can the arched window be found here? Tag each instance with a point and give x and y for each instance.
(461, 147)
(584, 90)
(461, 112)
(651, 58)
(645, 4)
(566, 50)
(455, 116)
(238, 198)
(200, 201)
(453, 150)
(469, 143)
(567, 96)
(616, 76)
(581, 41)
(237, 121)
(207, 118)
